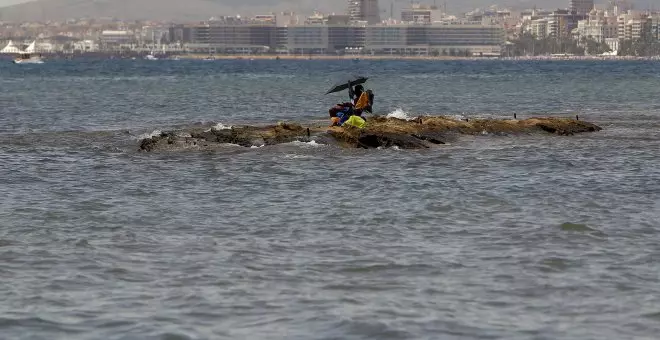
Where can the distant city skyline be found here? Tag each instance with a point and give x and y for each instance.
(202, 9)
(336, 4)
(361, 31)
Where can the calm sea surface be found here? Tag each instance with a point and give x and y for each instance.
(492, 237)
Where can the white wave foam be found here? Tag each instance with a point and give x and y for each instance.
(393, 147)
(219, 126)
(399, 114)
(295, 156)
(311, 143)
(274, 76)
(426, 76)
(153, 133)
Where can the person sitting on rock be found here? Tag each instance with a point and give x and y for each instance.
(342, 110)
(361, 101)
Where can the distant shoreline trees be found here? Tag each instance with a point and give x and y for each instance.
(529, 45)
(646, 46)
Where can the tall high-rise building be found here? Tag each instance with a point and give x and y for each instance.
(581, 7)
(421, 14)
(364, 10)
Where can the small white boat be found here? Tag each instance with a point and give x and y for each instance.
(26, 58)
(150, 56)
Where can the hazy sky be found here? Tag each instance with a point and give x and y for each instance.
(10, 2)
(338, 5)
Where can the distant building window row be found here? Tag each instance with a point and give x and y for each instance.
(323, 39)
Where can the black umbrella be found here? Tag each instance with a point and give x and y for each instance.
(344, 85)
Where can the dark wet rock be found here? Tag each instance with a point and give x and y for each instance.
(168, 134)
(388, 140)
(420, 133)
(149, 144)
(284, 133)
(325, 139)
(551, 126)
(206, 135)
(432, 137)
(258, 142)
(245, 136)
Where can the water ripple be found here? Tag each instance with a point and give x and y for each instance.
(489, 237)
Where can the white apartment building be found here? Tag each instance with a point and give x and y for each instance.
(86, 46)
(599, 26)
(418, 13)
(364, 10)
(631, 25)
(539, 28)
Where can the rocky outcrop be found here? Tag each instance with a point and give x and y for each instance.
(247, 136)
(419, 133)
(252, 136)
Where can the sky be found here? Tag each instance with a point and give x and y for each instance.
(327, 5)
(10, 2)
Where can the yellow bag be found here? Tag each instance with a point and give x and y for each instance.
(356, 121)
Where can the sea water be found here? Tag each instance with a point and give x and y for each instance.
(498, 237)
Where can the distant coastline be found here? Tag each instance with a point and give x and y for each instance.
(395, 57)
(324, 57)
(210, 57)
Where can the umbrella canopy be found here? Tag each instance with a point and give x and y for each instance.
(340, 86)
